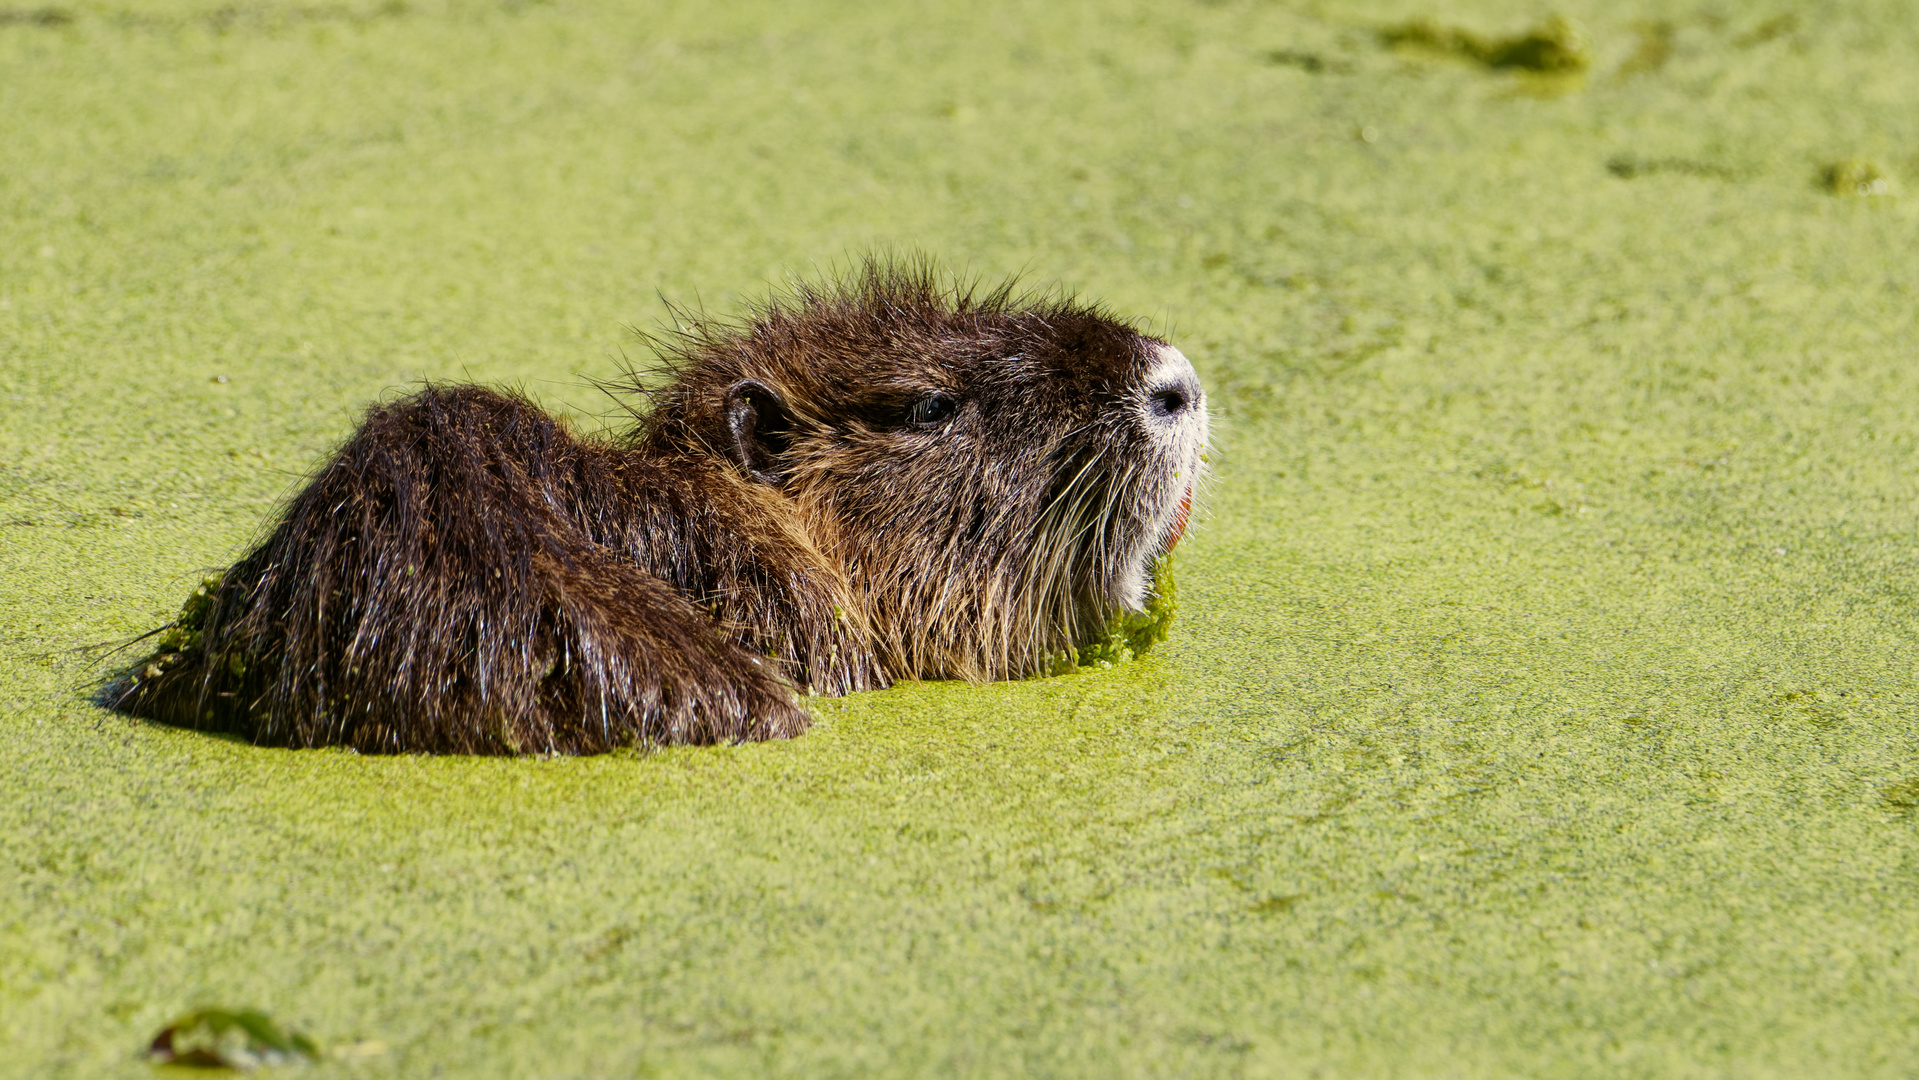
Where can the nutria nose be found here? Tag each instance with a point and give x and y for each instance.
(1169, 399)
(1174, 405)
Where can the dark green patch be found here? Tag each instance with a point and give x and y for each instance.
(1855, 178)
(1629, 167)
(1902, 796)
(1275, 905)
(1822, 708)
(1776, 27)
(46, 16)
(1558, 46)
(219, 1039)
(1311, 63)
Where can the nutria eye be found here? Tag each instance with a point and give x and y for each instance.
(930, 410)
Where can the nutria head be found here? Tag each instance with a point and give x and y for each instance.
(993, 474)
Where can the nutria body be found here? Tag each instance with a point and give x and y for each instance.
(871, 481)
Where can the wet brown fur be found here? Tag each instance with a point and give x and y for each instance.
(466, 575)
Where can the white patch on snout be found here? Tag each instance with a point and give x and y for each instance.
(1181, 444)
(1169, 365)
(1187, 434)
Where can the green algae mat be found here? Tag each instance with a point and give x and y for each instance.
(1542, 700)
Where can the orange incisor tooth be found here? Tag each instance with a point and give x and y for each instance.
(1179, 521)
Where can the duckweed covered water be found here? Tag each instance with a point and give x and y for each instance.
(1541, 700)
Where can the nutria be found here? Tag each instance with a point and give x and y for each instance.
(884, 478)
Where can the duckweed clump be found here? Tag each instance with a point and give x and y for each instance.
(1855, 178)
(1558, 46)
(221, 1039)
(1130, 634)
(184, 634)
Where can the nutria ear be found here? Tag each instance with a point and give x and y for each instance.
(757, 418)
